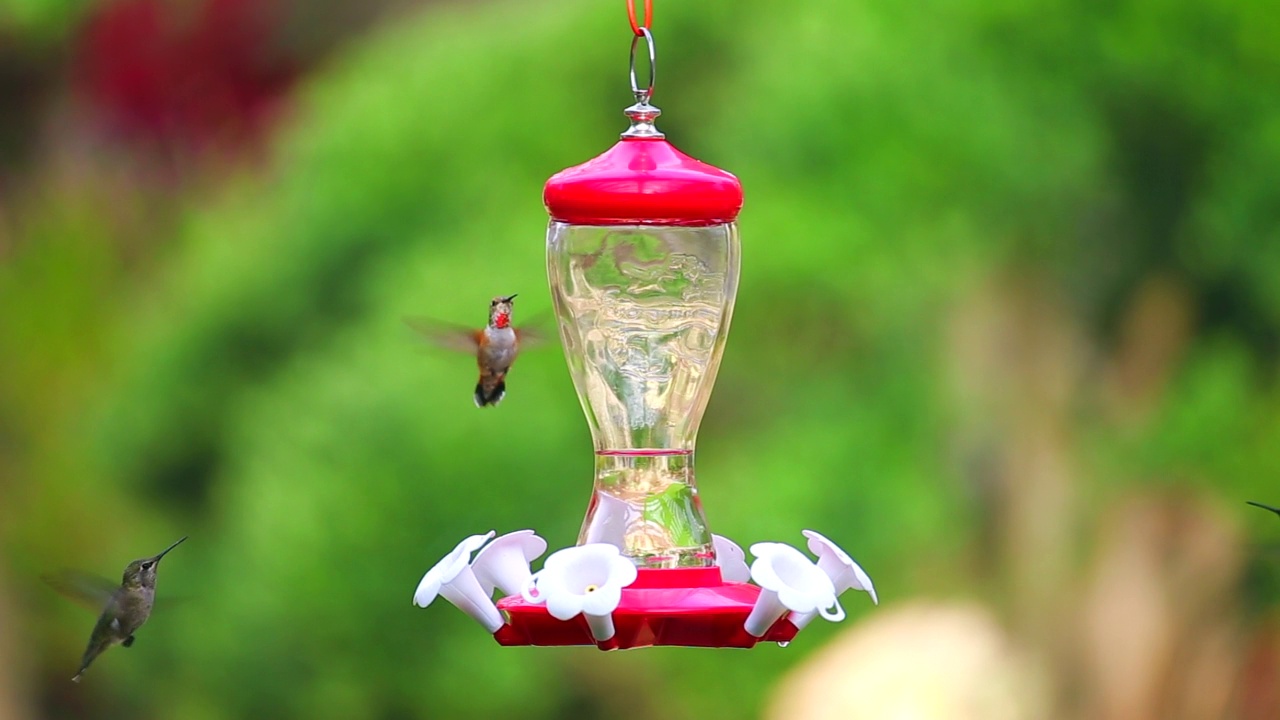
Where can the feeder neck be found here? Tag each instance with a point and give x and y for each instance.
(646, 503)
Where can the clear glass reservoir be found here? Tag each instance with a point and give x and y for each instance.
(643, 312)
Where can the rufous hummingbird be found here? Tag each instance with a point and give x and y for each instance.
(495, 346)
(124, 609)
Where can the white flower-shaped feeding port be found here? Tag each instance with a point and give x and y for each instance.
(609, 521)
(586, 580)
(504, 563)
(731, 559)
(845, 574)
(788, 580)
(452, 577)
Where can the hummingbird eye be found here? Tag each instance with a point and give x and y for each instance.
(146, 565)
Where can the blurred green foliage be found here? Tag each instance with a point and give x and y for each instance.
(253, 386)
(42, 19)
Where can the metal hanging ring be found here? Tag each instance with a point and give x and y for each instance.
(636, 27)
(643, 94)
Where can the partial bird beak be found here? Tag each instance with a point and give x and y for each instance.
(1264, 507)
(510, 298)
(166, 550)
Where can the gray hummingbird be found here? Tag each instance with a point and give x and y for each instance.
(124, 608)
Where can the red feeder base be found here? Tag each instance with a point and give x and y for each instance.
(688, 607)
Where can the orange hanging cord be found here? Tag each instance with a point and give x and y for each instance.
(636, 27)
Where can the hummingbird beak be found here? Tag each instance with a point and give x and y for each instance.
(166, 550)
(509, 298)
(1264, 507)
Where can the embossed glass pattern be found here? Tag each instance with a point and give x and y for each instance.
(643, 312)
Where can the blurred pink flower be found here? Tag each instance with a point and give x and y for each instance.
(187, 77)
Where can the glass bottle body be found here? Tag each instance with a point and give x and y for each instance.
(643, 312)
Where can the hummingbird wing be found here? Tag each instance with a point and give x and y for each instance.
(536, 331)
(530, 337)
(449, 336)
(91, 591)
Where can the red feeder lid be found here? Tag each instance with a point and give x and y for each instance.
(643, 180)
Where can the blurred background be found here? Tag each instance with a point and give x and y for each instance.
(1008, 330)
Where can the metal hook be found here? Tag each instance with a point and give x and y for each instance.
(642, 96)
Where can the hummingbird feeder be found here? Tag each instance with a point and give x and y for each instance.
(642, 259)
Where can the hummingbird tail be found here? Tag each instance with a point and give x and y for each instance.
(490, 395)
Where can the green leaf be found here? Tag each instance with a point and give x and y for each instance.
(673, 510)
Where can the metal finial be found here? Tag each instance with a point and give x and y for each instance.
(642, 115)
